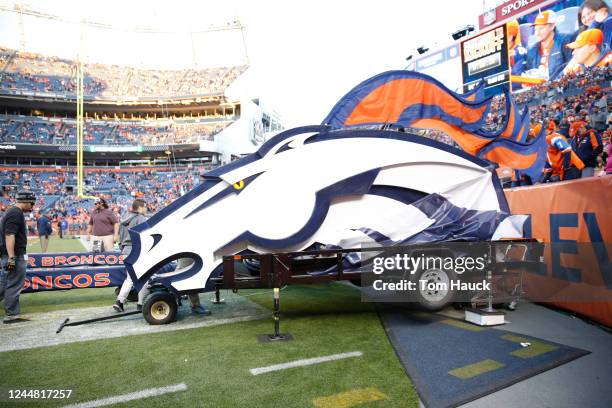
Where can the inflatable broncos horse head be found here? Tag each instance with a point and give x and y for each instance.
(315, 185)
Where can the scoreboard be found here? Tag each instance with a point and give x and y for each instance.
(485, 57)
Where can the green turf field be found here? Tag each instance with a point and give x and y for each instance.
(65, 299)
(214, 362)
(56, 245)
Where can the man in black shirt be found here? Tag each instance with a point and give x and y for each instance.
(13, 243)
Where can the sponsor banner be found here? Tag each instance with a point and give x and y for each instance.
(80, 259)
(577, 222)
(73, 278)
(506, 10)
(484, 57)
(105, 148)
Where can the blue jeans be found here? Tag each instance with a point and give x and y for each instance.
(588, 172)
(11, 284)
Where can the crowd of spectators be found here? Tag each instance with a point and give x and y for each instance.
(44, 131)
(28, 72)
(576, 112)
(568, 85)
(55, 191)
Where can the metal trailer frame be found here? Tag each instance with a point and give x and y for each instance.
(280, 269)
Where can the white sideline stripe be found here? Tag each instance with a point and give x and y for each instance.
(306, 362)
(151, 392)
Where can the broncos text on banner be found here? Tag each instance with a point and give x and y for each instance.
(79, 259)
(43, 279)
(411, 99)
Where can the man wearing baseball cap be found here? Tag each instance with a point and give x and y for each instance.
(588, 51)
(587, 145)
(13, 243)
(548, 54)
(562, 163)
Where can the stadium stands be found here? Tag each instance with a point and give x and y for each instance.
(39, 130)
(572, 95)
(35, 73)
(158, 187)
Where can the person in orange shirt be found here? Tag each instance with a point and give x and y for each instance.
(561, 162)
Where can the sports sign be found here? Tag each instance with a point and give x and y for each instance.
(505, 10)
(484, 57)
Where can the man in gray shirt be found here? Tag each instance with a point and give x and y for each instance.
(135, 216)
(598, 119)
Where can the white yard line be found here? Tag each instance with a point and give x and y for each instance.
(151, 392)
(306, 362)
(86, 244)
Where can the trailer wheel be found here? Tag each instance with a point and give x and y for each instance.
(435, 298)
(160, 308)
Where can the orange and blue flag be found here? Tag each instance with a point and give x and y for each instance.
(412, 99)
(402, 97)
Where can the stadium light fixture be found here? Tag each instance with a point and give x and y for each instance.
(463, 32)
(458, 34)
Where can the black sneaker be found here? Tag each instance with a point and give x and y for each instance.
(10, 320)
(200, 310)
(139, 308)
(118, 306)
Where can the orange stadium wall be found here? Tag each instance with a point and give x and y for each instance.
(575, 218)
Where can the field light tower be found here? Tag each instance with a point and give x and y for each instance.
(80, 119)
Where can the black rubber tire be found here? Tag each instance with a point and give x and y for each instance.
(425, 298)
(160, 308)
